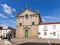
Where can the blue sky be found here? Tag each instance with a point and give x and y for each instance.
(49, 10)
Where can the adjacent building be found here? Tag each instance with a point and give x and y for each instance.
(5, 30)
(49, 30)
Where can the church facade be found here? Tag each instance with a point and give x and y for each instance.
(29, 25)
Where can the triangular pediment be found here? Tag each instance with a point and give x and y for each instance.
(26, 11)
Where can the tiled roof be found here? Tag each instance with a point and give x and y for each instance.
(11, 28)
(50, 23)
(2, 28)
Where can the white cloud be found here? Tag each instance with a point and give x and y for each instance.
(4, 25)
(11, 21)
(14, 22)
(44, 20)
(7, 9)
(11, 15)
(2, 15)
(49, 17)
(3, 22)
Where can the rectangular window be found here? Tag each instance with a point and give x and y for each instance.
(45, 33)
(54, 26)
(45, 27)
(54, 33)
(33, 23)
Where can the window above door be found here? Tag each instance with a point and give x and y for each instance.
(26, 16)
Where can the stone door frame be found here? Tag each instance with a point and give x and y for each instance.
(26, 28)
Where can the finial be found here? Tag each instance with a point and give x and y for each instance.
(26, 5)
(38, 11)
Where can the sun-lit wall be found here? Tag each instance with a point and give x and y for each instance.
(49, 31)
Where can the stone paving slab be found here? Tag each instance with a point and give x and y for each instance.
(17, 41)
(5, 42)
(20, 41)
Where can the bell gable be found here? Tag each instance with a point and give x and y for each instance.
(26, 11)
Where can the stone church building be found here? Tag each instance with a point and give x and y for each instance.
(29, 25)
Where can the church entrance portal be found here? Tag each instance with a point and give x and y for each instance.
(26, 33)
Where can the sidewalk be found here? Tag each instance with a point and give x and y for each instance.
(19, 41)
(5, 42)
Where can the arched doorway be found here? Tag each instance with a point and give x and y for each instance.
(26, 33)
